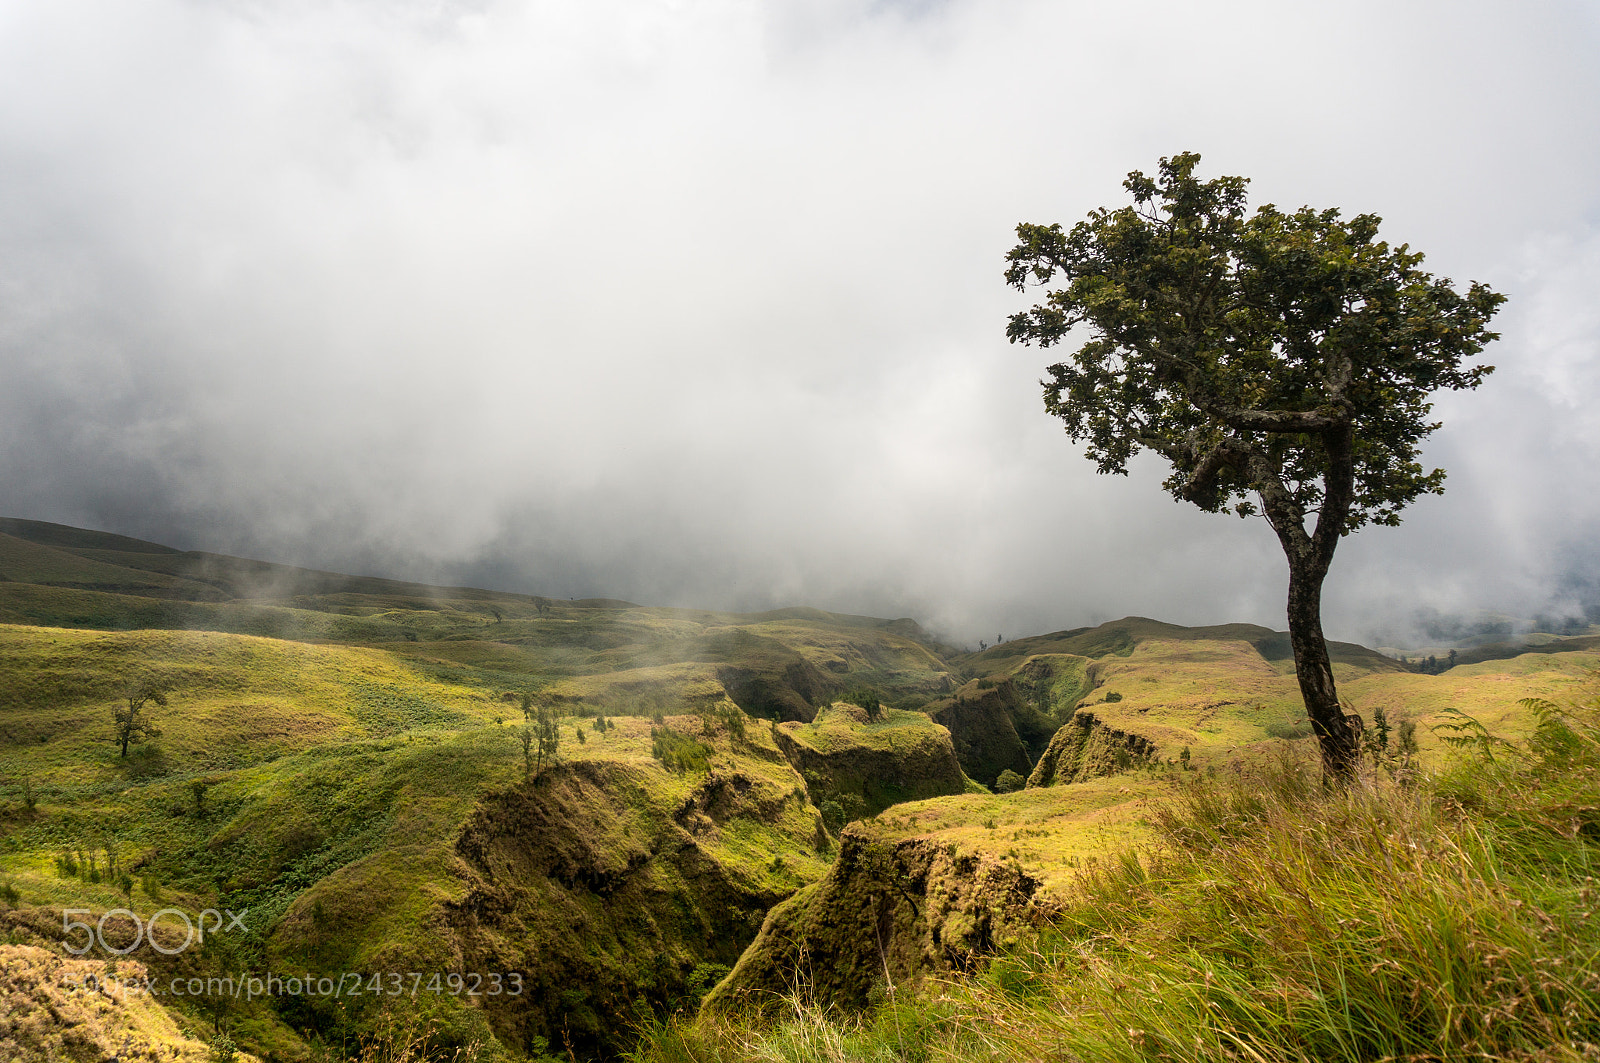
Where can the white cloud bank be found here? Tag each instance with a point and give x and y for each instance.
(700, 302)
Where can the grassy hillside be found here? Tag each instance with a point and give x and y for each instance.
(1119, 637)
(955, 881)
(342, 757)
(1440, 916)
(338, 784)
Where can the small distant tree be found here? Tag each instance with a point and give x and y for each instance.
(197, 790)
(132, 721)
(223, 1050)
(1009, 782)
(729, 717)
(1378, 737)
(527, 706)
(578, 731)
(1184, 756)
(1408, 740)
(1452, 660)
(547, 735)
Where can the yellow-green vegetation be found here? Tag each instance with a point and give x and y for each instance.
(1119, 637)
(1413, 916)
(342, 758)
(61, 1008)
(27, 562)
(340, 790)
(865, 765)
(1225, 701)
(364, 767)
(1051, 833)
(1085, 748)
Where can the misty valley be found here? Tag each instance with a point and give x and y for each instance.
(254, 811)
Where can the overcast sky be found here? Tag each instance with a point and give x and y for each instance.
(701, 303)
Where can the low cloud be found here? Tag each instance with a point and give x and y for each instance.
(700, 303)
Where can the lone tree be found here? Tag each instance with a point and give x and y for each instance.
(130, 721)
(1281, 362)
(546, 735)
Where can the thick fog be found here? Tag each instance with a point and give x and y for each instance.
(701, 303)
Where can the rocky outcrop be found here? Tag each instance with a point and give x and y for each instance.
(607, 897)
(869, 768)
(981, 719)
(888, 912)
(1085, 748)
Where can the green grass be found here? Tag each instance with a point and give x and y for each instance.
(34, 563)
(1438, 917)
(337, 782)
(364, 797)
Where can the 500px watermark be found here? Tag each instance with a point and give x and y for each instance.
(249, 986)
(145, 929)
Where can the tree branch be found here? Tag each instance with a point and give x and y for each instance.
(1307, 421)
(1282, 511)
(1202, 487)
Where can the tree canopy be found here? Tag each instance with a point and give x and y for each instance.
(1281, 362)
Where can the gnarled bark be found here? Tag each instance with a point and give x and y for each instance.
(1314, 669)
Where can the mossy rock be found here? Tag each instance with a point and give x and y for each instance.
(901, 756)
(1085, 748)
(902, 909)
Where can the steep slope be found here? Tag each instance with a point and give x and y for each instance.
(371, 812)
(982, 719)
(930, 887)
(61, 1008)
(363, 792)
(1084, 748)
(867, 766)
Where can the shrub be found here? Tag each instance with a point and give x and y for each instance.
(223, 1049)
(867, 699)
(678, 753)
(832, 816)
(1009, 782)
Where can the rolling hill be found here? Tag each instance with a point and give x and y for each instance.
(343, 758)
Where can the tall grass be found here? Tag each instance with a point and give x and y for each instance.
(1442, 918)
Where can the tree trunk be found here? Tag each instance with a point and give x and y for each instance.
(1314, 669)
